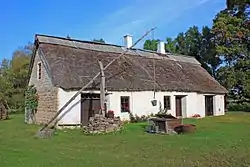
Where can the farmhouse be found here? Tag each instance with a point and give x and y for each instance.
(61, 66)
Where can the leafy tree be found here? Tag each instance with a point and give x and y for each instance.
(231, 36)
(99, 40)
(208, 51)
(181, 44)
(4, 66)
(238, 7)
(171, 45)
(197, 44)
(192, 43)
(5, 84)
(13, 77)
(150, 45)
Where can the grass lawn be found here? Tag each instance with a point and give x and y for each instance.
(219, 141)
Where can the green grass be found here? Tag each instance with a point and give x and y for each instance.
(219, 141)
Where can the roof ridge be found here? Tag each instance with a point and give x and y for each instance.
(167, 53)
(108, 44)
(105, 47)
(76, 40)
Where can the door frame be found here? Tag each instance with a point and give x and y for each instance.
(179, 97)
(209, 105)
(88, 98)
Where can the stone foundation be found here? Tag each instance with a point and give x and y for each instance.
(101, 124)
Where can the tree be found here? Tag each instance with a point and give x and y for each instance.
(171, 45)
(13, 77)
(196, 44)
(238, 7)
(208, 51)
(192, 43)
(150, 45)
(231, 36)
(5, 84)
(99, 40)
(181, 45)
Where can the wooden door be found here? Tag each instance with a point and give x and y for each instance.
(178, 106)
(209, 105)
(90, 105)
(95, 108)
(85, 105)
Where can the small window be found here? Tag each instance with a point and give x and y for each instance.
(167, 102)
(39, 70)
(124, 103)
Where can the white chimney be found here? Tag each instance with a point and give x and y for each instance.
(161, 47)
(128, 42)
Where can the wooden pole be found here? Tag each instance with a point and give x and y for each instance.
(91, 81)
(102, 89)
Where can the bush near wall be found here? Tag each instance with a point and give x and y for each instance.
(244, 106)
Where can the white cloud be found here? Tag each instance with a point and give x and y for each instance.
(136, 18)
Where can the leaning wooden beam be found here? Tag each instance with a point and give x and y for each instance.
(91, 81)
(102, 89)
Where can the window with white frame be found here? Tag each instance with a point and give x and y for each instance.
(125, 104)
(167, 104)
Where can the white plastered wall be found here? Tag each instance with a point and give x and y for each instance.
(140, 104)
(72, 114)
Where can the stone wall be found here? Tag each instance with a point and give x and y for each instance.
(101, 124)
(48, 101)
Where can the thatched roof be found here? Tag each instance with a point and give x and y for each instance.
(73, 63)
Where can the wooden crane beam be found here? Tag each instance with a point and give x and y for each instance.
(102, 89)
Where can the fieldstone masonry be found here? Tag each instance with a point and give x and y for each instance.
(101, 124)
(48, 101)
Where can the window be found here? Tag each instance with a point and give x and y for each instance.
(124, 103)
(39, 70)
(167, 102)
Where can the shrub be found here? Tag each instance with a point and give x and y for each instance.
(244, 106)
(31, 103)
(136, 118)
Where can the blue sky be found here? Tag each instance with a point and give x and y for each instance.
(110, 19)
